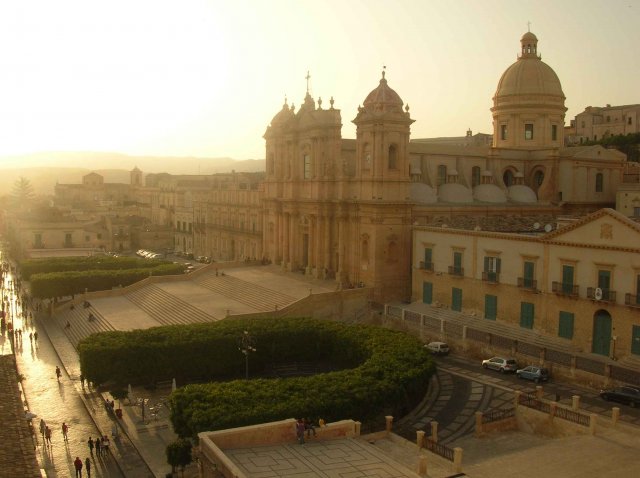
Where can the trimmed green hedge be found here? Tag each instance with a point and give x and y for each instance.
(93, 263)
(379, 371)
(59, 284)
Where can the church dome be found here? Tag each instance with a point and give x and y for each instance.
(284, 115)
(455, 193)
(422, 193)
(489, 193)
(529, 75)
(383, 98)
(522, 194)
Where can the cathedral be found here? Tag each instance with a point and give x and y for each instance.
(344, 209)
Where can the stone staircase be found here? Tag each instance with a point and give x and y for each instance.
(166, 308)
(255, 296)
(80, 326)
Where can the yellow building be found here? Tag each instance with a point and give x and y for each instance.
(574, 279)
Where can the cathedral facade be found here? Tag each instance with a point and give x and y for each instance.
(344, 209)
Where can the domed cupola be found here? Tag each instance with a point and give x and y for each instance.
(283, 116)
(528, 106)
(383, 99)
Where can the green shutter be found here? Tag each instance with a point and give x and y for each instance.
(567, 279)
(635, 340)
(604, 280)
(565, 325)
(528, 274)
(490, 307)
(457, 261)
(427, 292)
(498, 262)
(456, 299)
(486, 264)
(427, 257)
(526, 315)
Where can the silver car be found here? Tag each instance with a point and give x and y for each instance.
(501, 364)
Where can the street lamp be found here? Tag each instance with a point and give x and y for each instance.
(246, 345)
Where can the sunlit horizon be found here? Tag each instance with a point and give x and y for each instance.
(204, 78)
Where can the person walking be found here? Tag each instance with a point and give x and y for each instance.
(58, 373)
(43, 426)
(65, 429)
(35, 337)
(47, 435)
(78, 464)
(87, 466)
(300, 431)
(98, 444)
(90, 445)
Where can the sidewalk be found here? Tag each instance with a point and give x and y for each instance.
(124, 451)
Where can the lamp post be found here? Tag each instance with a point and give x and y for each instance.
(246, 345)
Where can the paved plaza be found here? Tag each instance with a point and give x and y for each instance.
(138, 449)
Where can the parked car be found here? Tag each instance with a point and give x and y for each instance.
(626, 394)
(501, 364)
(438, 348)
(537, 374)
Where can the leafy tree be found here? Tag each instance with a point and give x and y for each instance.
(119, 393)
(179, 454)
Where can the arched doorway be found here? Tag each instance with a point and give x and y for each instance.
(601, 333)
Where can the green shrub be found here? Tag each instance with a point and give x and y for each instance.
(59, 284)
(375, 370)
(92, 263)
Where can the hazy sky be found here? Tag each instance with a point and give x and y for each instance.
(205, 77)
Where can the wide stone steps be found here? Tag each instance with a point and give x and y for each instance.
(80, 326)
(165, 308)
(255, 296)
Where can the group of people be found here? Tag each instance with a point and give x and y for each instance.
(77, 464)
(306, 425)
(101, 445)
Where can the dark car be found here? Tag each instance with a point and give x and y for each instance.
(627, 394)
(532, 372)
(502, 364)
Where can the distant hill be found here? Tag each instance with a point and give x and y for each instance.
(44, 170)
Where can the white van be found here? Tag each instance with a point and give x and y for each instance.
(438, 348)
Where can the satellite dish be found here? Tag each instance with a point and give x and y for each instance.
(597, 294)
(536, 225)
(548, 228)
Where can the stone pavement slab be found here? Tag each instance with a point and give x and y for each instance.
(122, 448)
(319, 459)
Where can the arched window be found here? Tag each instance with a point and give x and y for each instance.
(538, 178)
(442, 174)
(366, 157)
(393, 157)
(475, 176)
(508, 178)
(364, 253)
(599, 182)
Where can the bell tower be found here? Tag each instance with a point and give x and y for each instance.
(382, 145)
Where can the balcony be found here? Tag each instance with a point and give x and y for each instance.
(632, 300)
(426, 266)
(527, 283)
(607, 295)
(491, 277)
(562, 288)
(456, 271)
